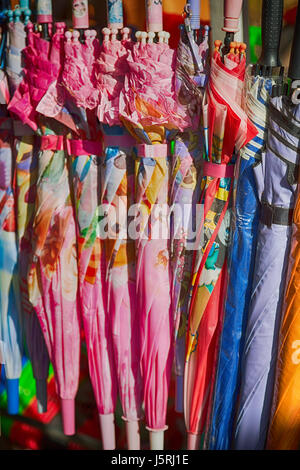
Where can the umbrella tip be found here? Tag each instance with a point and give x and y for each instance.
(125, 34)
(218, 44)
(167, 37)
(107, 426)
(151, 36)
(68, 36)
(144, 36)
(161, 36)
(76, 36)
(106, 33)
(138, 35)
(114, 33)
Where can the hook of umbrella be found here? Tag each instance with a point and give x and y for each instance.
(235, 52)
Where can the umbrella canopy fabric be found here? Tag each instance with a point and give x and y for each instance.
(53, 275)
(276, 178)
(10, 317)
(117, 197)
(17, 42)
(228, 131)
(147, 108)
(191, 77)
(241, 260)
(284, 428)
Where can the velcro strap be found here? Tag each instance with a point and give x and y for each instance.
(152, 151)
(51, 142)
(84, 147)
(275, 215)
(218, 170)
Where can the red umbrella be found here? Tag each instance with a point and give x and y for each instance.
(228, 130)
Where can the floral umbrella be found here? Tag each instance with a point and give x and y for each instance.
(148, 109)
(52, 277)
(191, 77)
(117, 197)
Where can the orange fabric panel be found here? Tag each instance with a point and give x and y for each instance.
(284, 430)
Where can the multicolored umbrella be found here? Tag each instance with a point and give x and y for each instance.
(25, 181)
(10, 316)
(244, 237)
(148, 109)
(228, 130)
(283, 431)
(53, 275)
(117, 198)
(191, 77)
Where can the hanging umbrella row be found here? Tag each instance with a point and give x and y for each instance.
(147, 204)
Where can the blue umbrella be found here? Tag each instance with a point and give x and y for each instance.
(245, 233)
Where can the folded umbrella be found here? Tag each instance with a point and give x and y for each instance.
(228, 131)
(10, 317)
(191, 78)
(148, 108)
(25, 181)
(283, 433)
(244, 238)
(85, 150)
(53, 275)
(276, 178)
(117, 197)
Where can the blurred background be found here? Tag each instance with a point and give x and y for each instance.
(28, 430)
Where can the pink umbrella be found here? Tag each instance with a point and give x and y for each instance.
(52, 277)
(118, 196)
(148, 108)
(78, 97)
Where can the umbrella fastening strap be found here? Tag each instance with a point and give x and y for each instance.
(153, 151)
(271, 214)
(73, 147)
(218, 170)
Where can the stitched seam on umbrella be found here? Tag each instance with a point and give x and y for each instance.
(247, 403)
(283, 141)
(288, 163)
(278, 119)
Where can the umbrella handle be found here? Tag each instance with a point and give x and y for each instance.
(115, 14)
(194, 10)
(232, 13)
(24, 4)
(272, 14)
(154, 15)
(44, 11)
(294, 66)
(80, 14)
(44, 16)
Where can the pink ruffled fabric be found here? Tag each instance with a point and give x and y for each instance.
(151, 79)
(111, 70)
(41, 68)
(78, 74)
